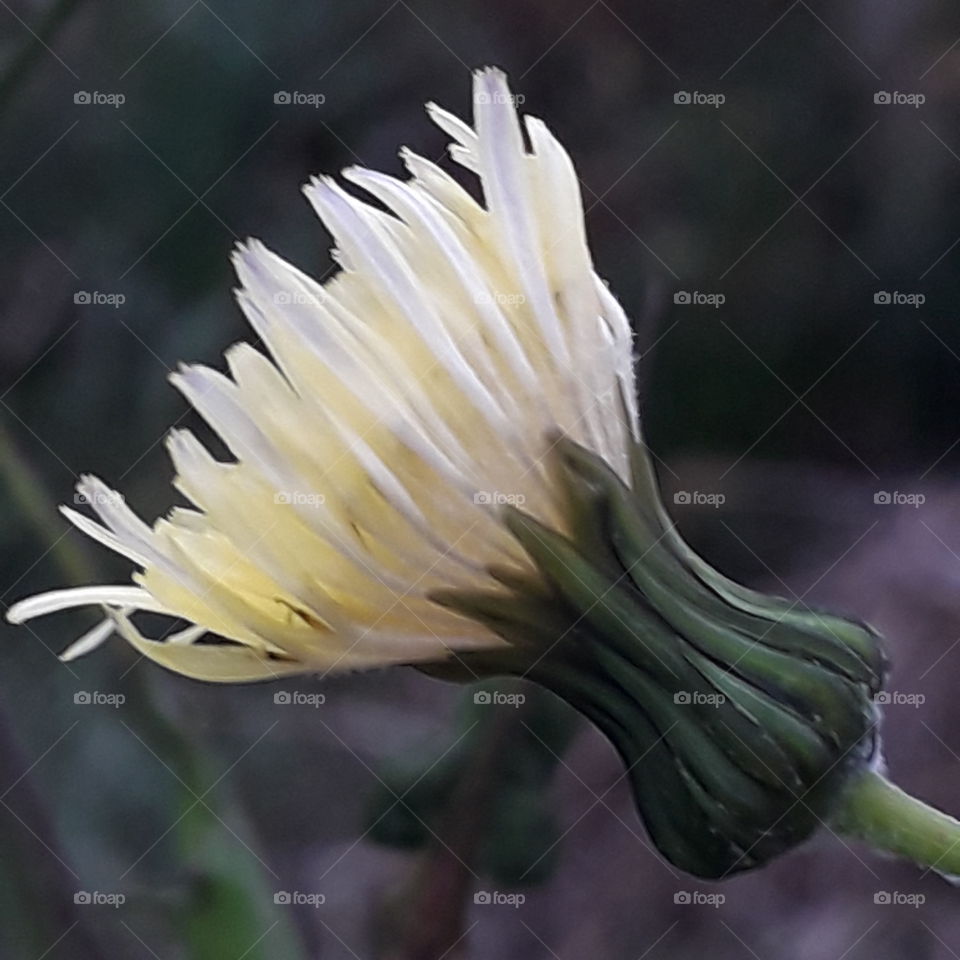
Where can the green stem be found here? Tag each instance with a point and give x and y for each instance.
(28, 491)
(879, 813)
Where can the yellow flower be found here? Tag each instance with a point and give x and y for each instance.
(464, 363)
(402, 405)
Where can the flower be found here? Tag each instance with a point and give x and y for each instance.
(442, 465)
(405, 403)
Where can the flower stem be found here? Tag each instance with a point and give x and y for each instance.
(874, 810)
(28, 492)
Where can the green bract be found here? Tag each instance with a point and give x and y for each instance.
(739, 716)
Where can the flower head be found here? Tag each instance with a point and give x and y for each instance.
(438, 462)
(399, 407)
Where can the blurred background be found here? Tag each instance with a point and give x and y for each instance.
(772, 192)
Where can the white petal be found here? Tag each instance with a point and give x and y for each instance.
(56, 600)
(467, 154)
(103, 535)
(405, 395)
(89, 641)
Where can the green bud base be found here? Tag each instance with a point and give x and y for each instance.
(740, 717)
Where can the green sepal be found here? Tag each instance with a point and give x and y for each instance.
(738, 716)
